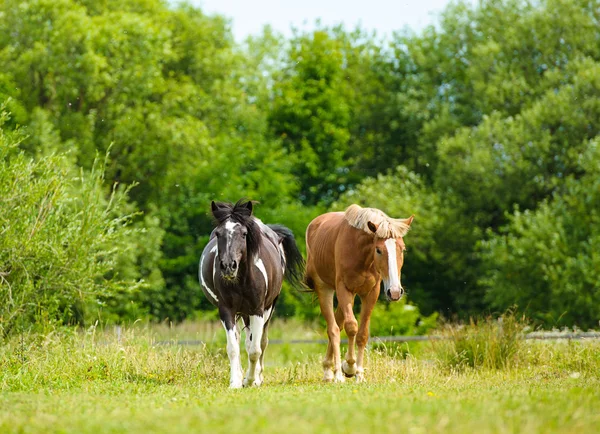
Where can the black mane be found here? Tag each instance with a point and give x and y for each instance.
(240, 213)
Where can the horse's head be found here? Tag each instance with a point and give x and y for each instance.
(237, 235)
(389, 258)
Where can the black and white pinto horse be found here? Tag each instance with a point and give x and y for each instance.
(241, 271)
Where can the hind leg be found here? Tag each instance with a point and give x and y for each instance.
(263, 345)
(331, 364)
(248, 343)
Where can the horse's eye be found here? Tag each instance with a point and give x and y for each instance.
(378, 251)
(244, 234)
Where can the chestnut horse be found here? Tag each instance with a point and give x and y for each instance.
(349, 253)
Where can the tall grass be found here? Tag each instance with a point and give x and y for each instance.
(489, 343)
(63, 361)
(146, 357)
(95, 381)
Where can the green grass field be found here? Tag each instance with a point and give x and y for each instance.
(92, 382)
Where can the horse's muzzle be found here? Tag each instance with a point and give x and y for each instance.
(394, 294)
(229, 270)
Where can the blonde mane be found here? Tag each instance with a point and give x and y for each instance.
(387, 227)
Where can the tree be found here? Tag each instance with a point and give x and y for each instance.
(310, 115)
(162, 86)
(546, 260)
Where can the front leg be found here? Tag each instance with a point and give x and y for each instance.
(349, 323)
(362, 337)
(253, 347)
(233, 347)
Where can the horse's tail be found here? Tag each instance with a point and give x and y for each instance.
(294, 262)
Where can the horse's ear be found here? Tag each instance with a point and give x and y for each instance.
(249, 206)
(372, 227)
(409, 220)
(213, 206)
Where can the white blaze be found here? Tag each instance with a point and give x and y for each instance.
(230, 227)
(394, 278)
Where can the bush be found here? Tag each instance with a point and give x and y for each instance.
(546, 259)
(487, 343)
(400, 319)
(60, 239)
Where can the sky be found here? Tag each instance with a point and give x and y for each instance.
(385, 16)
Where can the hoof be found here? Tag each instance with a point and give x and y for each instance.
(328, 376)
(360, 376)
(252, 382)
(339, 378)
(235, 381)
(349, 370)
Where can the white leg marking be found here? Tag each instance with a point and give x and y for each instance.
(233, 351)
(327, 374)
(360, 371)
(392, 263)
(248, 333)
(212, 294)
(267, 314)
(261, 266)
(253, 377)
(266, 318)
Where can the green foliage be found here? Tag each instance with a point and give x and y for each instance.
(400, 319)
(547, 260)
(137, 261)
(333, 110)
(61, 238)
(522, 159)
(504, 93)
(311, 115)
(481, 126)
(488, 343)
(164, 86)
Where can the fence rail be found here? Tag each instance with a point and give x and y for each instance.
(377, 339)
